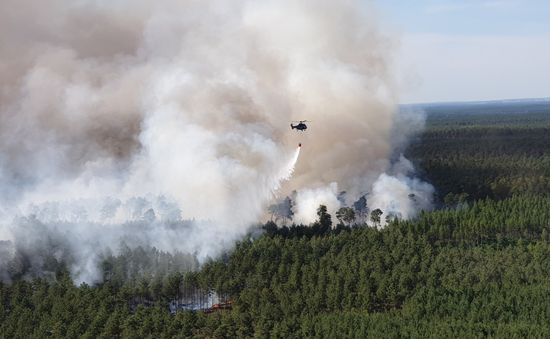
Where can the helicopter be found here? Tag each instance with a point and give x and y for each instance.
(301, 126)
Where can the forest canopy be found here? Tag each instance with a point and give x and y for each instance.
(476, 266)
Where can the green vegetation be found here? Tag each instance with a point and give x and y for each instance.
(477, 266)
(482, 154)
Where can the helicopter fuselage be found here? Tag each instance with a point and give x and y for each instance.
(300, 127)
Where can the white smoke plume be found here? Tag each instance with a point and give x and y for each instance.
(309, 199)
(118, 118)
(400, 195)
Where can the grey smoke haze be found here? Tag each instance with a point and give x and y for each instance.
(118, 112)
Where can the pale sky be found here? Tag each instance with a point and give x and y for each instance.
(455, 50)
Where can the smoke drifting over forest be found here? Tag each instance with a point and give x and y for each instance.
(119, 119)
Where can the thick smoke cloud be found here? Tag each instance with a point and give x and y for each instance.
(119, 118)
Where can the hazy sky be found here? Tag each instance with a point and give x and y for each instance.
(453, 50)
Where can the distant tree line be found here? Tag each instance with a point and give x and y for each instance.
(485, 155)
